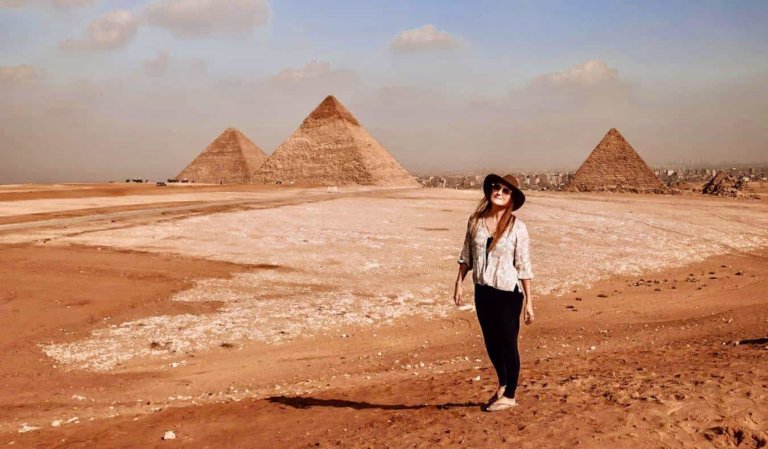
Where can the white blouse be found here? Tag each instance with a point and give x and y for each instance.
(506, 264)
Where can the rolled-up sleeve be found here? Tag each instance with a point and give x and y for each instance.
(466, 251)
(523, 254)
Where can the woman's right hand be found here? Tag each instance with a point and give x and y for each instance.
(457, 294)
(528, 314)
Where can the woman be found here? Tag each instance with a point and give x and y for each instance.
(496, 248)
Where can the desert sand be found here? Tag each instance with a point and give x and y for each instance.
(299, 317)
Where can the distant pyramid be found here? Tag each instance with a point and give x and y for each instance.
(331, 148)
(614, 165)
(230, 159)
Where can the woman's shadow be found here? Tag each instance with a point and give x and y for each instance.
(308, 402)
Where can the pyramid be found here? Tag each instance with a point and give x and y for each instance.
(615, 166)
(332, 148)
(230, 159)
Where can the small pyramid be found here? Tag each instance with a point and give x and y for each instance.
(615, 166)
(332, 148)
(230, 159)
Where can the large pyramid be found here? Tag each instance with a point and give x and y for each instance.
(230, 159)
(614, 165)
(331, 148)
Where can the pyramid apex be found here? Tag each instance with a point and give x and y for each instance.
(330, 109)
(330, 97)
(613, 134)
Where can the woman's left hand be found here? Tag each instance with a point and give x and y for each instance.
(529, 314)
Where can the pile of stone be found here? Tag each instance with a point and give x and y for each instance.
(615, 166)
(725, 185)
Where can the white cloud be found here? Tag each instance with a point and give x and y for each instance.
(313, 70)
(112, 30)
(590, 73)
(316, 76)
(157, 66)
(425, 38)
(57, 3)
(72, 3)
(204, 18)
(19, 74)
(164, 63)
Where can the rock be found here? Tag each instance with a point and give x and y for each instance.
(27, 428)
(169, 435)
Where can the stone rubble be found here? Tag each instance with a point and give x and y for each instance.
(725, 185)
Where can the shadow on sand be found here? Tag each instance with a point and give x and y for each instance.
(308, 402)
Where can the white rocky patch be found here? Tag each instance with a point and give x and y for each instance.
(369, 261)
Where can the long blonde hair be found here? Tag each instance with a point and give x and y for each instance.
(483, 209)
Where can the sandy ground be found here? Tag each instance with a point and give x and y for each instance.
(302, 318)
(20, 203)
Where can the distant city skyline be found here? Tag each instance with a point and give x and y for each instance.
(93, 90)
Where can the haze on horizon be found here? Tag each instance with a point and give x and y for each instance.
(92, 90)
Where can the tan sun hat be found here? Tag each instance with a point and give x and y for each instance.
(518, 197)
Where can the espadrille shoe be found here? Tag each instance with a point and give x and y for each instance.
(499, 393)
(502, 403)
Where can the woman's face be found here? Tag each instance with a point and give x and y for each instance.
(500, 195)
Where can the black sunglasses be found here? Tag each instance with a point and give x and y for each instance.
(504, 189)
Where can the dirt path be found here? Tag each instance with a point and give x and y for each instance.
(165, 208)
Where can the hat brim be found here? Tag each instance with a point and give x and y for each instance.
(518, 197)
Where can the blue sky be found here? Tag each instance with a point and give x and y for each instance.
(523, 39)
(655, 63)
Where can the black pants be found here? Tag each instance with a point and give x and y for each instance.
(499, 314)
